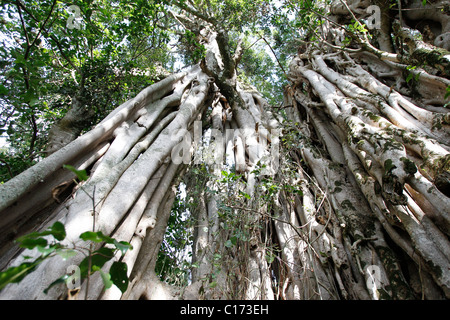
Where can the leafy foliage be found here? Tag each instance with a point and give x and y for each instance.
(93, 262)
(45, 64)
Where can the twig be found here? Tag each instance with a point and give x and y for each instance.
(7, 167)
(19, 3)
(278, 61)
(351, 12)
(88, 271)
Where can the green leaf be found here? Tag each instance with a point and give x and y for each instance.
(246, 195)
(323, 254)
(119, 277)
(270, 258)
(96, 237)
(409, 77)
(98, 260)
(228, 244)
(81, 174)
(60, 280)
(123, 246)
(3, 90)
(16, 274)
(46, 251)
(66, 253)
(447, 94)
(57, 230)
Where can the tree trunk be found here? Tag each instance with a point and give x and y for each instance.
(344, 203)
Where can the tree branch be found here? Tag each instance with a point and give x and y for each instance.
(239, 52)
(62, 52)
(19, 3)
(23, 26)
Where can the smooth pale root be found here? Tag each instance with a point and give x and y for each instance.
(340, 109)
(39, 173)
(133, 181)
